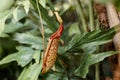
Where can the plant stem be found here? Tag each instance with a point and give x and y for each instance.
(81, 14)
(62, 64)
(97, 25)
(42, 31)
(91, 15)
(97, 70)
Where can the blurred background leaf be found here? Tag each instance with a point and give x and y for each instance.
(31, 73)
(89, 59)
(23, 56)
(5, 4)
(27, 38)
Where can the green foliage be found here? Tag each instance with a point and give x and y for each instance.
(26, 38)
(31, 73)
(18, 14)
(5, 4)
(57, 76)
(3, 17)
(93, 38)
(12, 27)
(23, 56)
(50, 22)
(117, 4)
(20, 27)
(89, 59)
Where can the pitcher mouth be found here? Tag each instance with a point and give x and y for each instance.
(58, 33)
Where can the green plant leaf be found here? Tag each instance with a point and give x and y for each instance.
(23, 73)
(26, 5)
(36, 56)
(75, 39)
(89, 59)
(74, 28)
(18, 14)
(12, 27)
(117, 4)
(42, 2)
(5, 4)
(52, 24)
(3, 17)
(94, 38)
(31, 73)
(57, 76)
(27, 38)
(23, 56)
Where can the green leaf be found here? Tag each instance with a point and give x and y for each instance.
(23, 56)
(71, 46)
(3, 17)
(36, 56)
(90, 49)
(52, 24)
(89, 59)
(18, 14)
(56, 76)
(27, 38)
(42, 2)
(26, 5)
(23, 73)
(102, 1)
(31, 73)
(12, 27)
(94, 38)
(5, 4)
(52, 77)
(116, 4)
(4, 35)
(74, 28)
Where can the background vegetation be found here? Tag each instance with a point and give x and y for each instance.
(82, 53)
